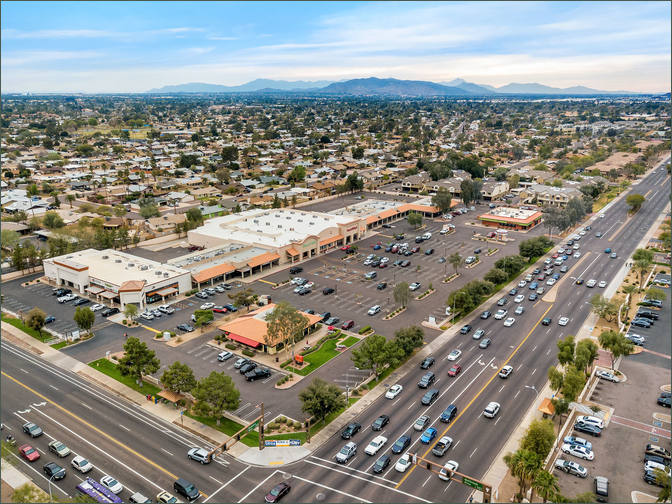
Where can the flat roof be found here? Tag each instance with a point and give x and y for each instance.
(511, 214)
(271, 228)
(116, 267)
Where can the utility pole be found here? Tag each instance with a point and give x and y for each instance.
(261, 428)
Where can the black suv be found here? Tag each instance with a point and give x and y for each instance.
(188, 490)
(295, 269)
(109, 311)
(61, 292)
(648, 314)
(380, 422)
(257, 374)
(426, 380)
(328, 290)
(80, 301)
(351, 429)
(427, 363)
(246, 368)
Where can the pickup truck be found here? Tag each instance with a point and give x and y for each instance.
(441, 447)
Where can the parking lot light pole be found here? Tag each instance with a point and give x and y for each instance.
(51, 499)
(532, 387)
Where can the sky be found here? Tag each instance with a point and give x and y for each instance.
(103, 47)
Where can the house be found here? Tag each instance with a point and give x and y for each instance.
(548, 195)
(165, 222)
(206, 192)
(493, 190)
(415, 183)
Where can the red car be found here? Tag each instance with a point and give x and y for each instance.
(345, 247)
(348, 324)
(219, 309)
(29, 453)
(454, 370)
(555, 256)
(415, 250)
(383, 265)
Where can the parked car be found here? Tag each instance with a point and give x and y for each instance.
(328, 290)
(257, 374)
(572, 440)
(348, 324)
(374, 310)
(587, 429)
(109, 311)
(49, 319)
(606, 375)
(571, 468)
(578, 451)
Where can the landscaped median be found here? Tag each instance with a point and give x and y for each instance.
(326, 349)
(110, 369)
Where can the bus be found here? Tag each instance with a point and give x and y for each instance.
(98, 492)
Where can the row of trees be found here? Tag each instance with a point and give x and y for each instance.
(573, 213)
(534, 247)
(576, 360)
(376, 352)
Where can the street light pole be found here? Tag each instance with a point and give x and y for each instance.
(532, 387)
(51, 499)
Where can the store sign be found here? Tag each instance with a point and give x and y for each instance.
(282, 442)
(105, 285)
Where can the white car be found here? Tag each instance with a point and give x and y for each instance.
(375, 445)
(591, 283)
(81, 464)
(582, 233)
(591, 420)
(164, 308)
(606, 375)
(522, 283)
(650, 465)
(576, 246)
(561, 251)
(509, 322)
(447, 470)
(576, 255)
(578, 451)
(207, 306)
(97, 307)
(505, 371)
(309, 285)
(500, 314)
(519, 310)
(296, 280)
(147, 316)
(403, 463)
(563, 321)
(414, 286)
(491, 410)
(602, 284)
(112, 484)
(454, 355)
(394, 391)
(374, 309)
(550, 282)
(384, 260)
(519, 298)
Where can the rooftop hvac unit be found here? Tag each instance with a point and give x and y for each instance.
(106, 257)
(311, 223)
(158, 273)
(117, 260)
(268, 224)
(144, 267)
(279, 226)
(166, 275)
(131, 265)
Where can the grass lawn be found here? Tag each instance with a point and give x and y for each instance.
(28, 330)
(228, 427)
(111, 370)
(315, 359)
(58, 346)
(349, 341)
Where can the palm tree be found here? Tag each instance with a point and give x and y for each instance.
(642, 266)
(70, 198)
(546, 485)
(663, 480)
(514, 461)
(531, 465)
(456, 261)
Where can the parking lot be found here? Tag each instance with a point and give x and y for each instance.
(637, 419)
(354, 295)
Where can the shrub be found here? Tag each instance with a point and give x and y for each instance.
(365, 329)
(297, 425)
(191, 292)
(281, 419)
(249, 353)
(231, 346)
(123, 321)
(179, 339)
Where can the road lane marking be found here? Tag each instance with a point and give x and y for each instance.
(86, 405)
(94, 428)
(428, 477)
(367, 480)
(227, 483)
(354, 497)
(472, 453)
(215, 479)
(533, 371)
(164, 450)
(50, 385)
(41, 475)
(516, 394)
(515, 351)
(125, 428)
(258, 485)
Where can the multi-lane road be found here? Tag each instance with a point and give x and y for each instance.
(147, 454)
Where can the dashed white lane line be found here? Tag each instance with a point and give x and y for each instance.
(86, 405)
(473, 452)
(166, 451)
(125, 428)
(426, 481)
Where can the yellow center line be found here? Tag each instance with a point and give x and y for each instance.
(478, 393)
(266, 281)
(150, 329)
(93, 427)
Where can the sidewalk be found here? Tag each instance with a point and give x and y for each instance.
(15, 478)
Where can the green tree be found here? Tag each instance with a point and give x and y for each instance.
(642, 267)
(643, 254)
(442, 199)
(561, 406)
(635, 202)
(663, 481)
(84, 318)
(9, 239)
(603, 307)
(223, 175)
(245, 297)
(496, 276)
(195, 217)
(35, 319)
(178, 378)
(285, 324)
(414, 219)
(566, 350)
(546, 485)
(138, 360)
(357, 152)
(229, 153)
(555, 378)
(131, 311)
(409, 338)
(374, 354)
(656, 294)
(320, 398)
(149, 210)
(298, 174)
(402, 294)
(119, 211)
(70, 198)
(573, 382)
(539, 437)
(52, 220)
(585, 354)
(215, 394)
(456, 261)
(616, 343)
(511, 264)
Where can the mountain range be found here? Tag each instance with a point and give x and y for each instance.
(374, 86)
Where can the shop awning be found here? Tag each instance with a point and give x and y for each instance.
(262, 259)
(547, 407)
(293, 252)
(108, 295)
(212, 272)
(244, 340)
(167, 291)
(331, 240)
(94, 290)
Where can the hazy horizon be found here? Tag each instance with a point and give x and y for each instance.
(118, 47)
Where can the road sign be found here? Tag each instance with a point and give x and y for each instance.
(253, 426)
(472, 483)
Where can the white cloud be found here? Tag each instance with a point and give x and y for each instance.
(31, 57)
(196, 51)
(88, 33)
(219, 37)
